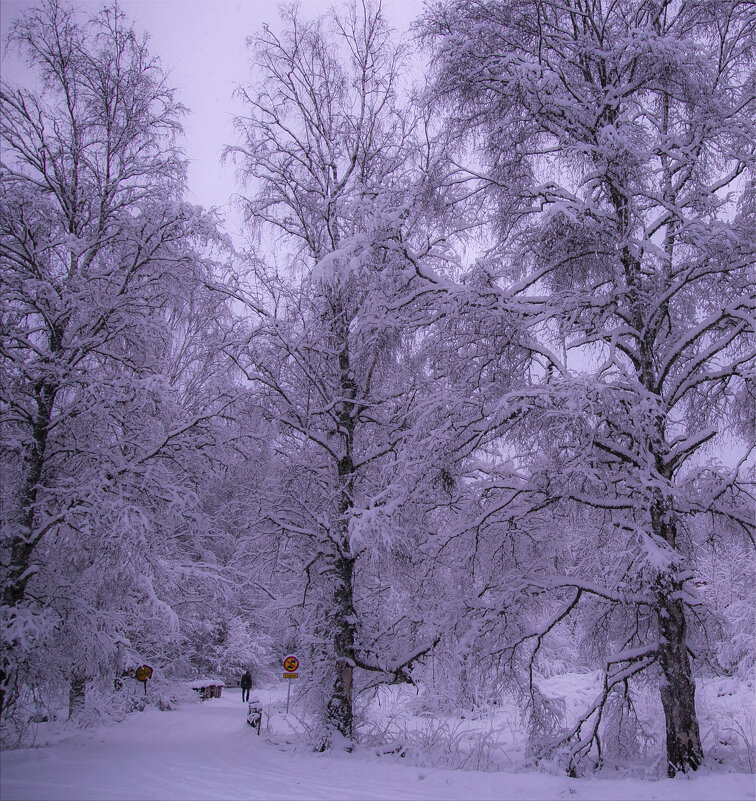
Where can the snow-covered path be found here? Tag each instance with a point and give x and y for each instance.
(206, 751)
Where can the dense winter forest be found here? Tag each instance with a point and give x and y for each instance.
(473, 407)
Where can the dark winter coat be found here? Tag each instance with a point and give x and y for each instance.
(246, 681)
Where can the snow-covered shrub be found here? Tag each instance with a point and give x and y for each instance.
(546, 719)
(726, 580)
(626, 735)
(727, 710)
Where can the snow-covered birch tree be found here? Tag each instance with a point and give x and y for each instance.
(327, 150)
(617, 149)
(99, 258)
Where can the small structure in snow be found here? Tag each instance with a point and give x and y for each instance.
(208, 688)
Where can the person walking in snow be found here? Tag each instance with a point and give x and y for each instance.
(246, 685)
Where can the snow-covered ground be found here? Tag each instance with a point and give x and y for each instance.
(206, 751)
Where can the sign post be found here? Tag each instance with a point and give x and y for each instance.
(144, 673)
(290, 665)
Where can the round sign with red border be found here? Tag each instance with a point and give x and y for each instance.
(291, 663)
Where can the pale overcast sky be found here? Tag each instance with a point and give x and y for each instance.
(202, 44)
